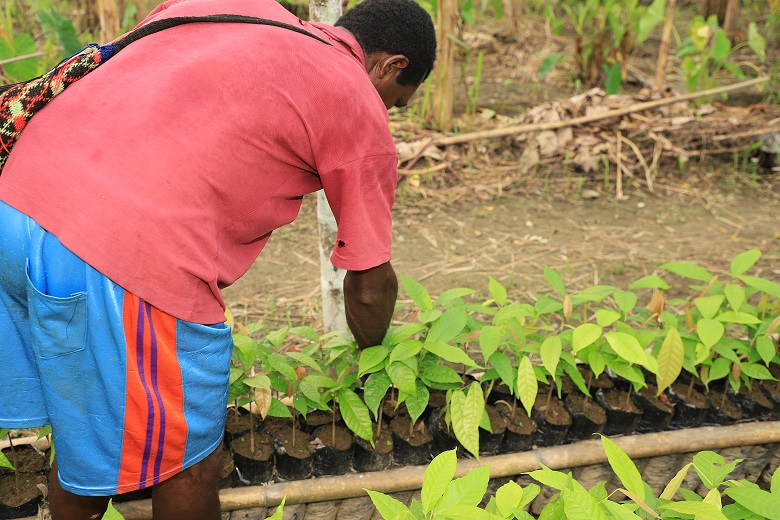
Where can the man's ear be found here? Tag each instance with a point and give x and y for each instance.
(392, 65)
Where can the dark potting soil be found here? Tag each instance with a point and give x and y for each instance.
(552, 421)
(28, 488)
(420, 434)
(437, 399)
(772, 391)
(603, 381)
(690, 406)
(684, 392)
(25, 459)
(490, 443)
(374, 458)
(518, 423)
(497, 422)
(263, 446)
(319, 418)
(554, 412)
(722, 411)
(236, 422)
(753, 403)
(578, 403)
(342, 436)
(657, 411)
(620, 400)
(383, 444)
(623, 415)
(301, 449)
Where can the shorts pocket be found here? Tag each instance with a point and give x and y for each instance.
(59, 325)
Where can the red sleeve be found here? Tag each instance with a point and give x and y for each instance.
(361, 194)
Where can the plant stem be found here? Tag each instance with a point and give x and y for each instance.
(411, 427)
(690, 389)
(251, 433)
(293, 431)
(333, 426)
(723, 399)
(628, 398)
(514, 408)
(549, 396)
(379, 418)
(15, 463)
(590, 380)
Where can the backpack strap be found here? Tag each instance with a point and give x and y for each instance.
(159, 25)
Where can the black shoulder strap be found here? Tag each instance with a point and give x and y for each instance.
(159, 25)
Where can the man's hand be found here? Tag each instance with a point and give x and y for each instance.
(369, 300)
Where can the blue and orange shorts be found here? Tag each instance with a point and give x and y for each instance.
(133, 395)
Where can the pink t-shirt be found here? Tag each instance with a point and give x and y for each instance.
(168, 167)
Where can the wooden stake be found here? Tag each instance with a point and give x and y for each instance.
(663, 49)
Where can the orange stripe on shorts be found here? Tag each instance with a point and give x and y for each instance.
(155, 428)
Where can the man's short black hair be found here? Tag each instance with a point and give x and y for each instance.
(397, 27)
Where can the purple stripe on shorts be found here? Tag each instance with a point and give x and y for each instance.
(160, 404)
(149, 402)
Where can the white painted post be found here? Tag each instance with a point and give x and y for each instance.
(331, 278)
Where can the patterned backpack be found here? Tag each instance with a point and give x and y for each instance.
(20, 101)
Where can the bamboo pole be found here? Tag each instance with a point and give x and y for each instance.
(663, 49)
(447, 27)
(583, 453)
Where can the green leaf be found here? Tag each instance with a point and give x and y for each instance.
(771, 288)
(627, 347)
(403, 332)
(709, 305)
(654, 15)
(745, 260)
(111, 512)
(416, 404)
(279, 363)
(548, 63)
(453, 294)
(606, 317)
(756, 371)
(387, 506)
(503, 366)
(614, 79)
(709, 331)
(21, 70)
(735, 295)
(670, 360)
(442, 375)
(721, 46)
(449, 353)
(312, 393)
(550, 352)
(742, 318)
(417, 293)
(448, 326)
(489, 339)
(671, 488)
(756, 42)
(279, 409)
(497, 291)
(626, 300)
(624, 468)
(649, 282)
(279, 511)
(765, 347)
(5, 463)
(66, 33)
(371, 359)
(555, 281)
(585, 335)
(438, 475)
(508, 495)
(464, 513)
(698, 509)
(467, 490)
(688, 270)
(466, 411)
(405, 349)
(555, 479)
(355, 414)
(756, 500)
(258, 381)
(619, 511)
(306, 360)
(712, 468)
(774, 486)
(527, 385)
(375, 389)
(403, 377)
(580, 505)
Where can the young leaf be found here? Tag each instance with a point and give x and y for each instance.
(437, 477)
(555, 281)
(671, 488)
(500, 362)
(709, 305)
(766, 349)
(416, 404)
(111, 513)
(279, 409)
(497, 291)
(548, 63)
(698, 509)
(626, 300)
(448, 326)
(579, 505)
(449, 353)
(403, 377)
(508, 495)
(387, 506)
(453, 294)
(670, 360)
(585, 335)
(555, 479)
(371, 358)
(650, 282)
(614, 78)
(744, 261)
(417, 293)
(355, 414)
(606, 317)
(550, 351)
(627, 347)
(375, 389)
(403, 332)
(712, 468)
(489, 339)
(279, 511)
(527, 385)
(688, 270)
(735, 295)
(464, 513)
(466, 410)
(710, 331)
(756, 500)
(406, 349)
(774, 486)
(771, 288)
(756, 41)
(624, 468)
(619, 511)
(5, 463)
(467, 490)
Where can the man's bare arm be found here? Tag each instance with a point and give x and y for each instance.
(369, 299)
